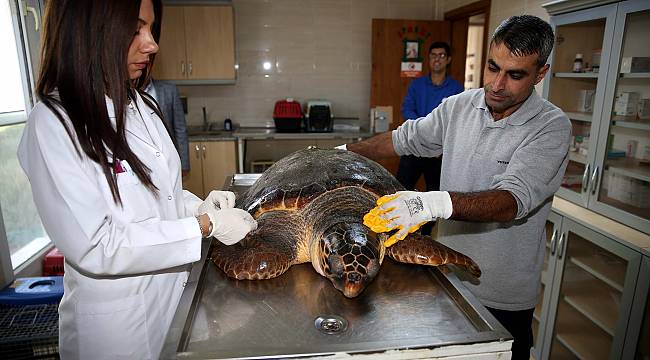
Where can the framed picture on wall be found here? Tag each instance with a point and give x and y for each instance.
(412, 50)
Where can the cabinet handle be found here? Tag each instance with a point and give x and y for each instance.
(553, 242)
(585, 179)
(203, 149)
(196, 149)
(189, 68)
(594, 180)
(32, 10)
(183, 67)
(560, 250)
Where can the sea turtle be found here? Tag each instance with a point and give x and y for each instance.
(309, 207)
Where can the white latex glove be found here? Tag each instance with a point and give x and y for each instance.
(341, 147)
(217, 200)
(230, 225)
(407, 211)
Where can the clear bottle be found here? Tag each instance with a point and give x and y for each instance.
(577, 64)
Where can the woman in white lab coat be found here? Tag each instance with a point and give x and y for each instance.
(106, 180)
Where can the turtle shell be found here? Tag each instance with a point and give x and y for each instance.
(309, 207)
(299, 178)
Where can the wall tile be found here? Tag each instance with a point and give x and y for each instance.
(319, 49)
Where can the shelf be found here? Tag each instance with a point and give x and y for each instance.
(629, 167)
(611, 276)
(559, 351)
(577, 157)
(631, 124)
(580, 336)
(596, 305)
(576, 75)
(635, 75)
(641, 212)
(580, 116)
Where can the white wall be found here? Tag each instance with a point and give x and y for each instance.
(320, 49)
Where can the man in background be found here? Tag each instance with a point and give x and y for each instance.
(171, 107)
(425, 94)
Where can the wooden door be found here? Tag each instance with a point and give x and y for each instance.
(459, 29)
(171, 60)
(193, 181)
(210, 42)
(220, 160)
(388, 88)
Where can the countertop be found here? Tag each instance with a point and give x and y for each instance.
(619, 232)
(270, 133)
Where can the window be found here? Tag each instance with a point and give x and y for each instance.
(20, 228)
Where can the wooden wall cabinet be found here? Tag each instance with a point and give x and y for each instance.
(197, 45)
(210, 163)
(609, 158)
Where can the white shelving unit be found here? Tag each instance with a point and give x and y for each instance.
(617, 30)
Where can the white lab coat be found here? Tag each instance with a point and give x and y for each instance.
(125, 267)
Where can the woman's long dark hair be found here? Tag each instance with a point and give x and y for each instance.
(84, 58)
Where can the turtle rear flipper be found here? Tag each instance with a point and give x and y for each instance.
(424, 250)
(264, 253)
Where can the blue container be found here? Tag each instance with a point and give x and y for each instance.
(33, 291)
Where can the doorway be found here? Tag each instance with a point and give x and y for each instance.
(469, 41)
(474, 54)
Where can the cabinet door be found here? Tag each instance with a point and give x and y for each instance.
(580, 94)
(219, 161)
(194, 180)
(210, 42)
(623, 166)
(270, 151)
(592, 295)
(170, 63)
(637, 340)
(553, 231)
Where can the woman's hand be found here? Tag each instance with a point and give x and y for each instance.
(229, 225)
(217, 200)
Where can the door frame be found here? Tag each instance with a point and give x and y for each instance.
(459, 18)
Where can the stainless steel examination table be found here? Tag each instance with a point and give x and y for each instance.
(407, 312)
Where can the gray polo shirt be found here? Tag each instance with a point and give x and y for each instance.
(524, 153)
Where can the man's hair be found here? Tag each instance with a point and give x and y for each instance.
(440, 45)
(525, 35)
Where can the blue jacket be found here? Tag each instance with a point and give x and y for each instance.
(422, 96)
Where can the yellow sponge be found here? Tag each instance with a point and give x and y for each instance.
(376, 223)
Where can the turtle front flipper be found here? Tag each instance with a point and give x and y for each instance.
(264, 253)
(424, 250)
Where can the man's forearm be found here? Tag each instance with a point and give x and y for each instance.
(486, 206)
(377, 147)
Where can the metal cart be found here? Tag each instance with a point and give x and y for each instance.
(407, 312)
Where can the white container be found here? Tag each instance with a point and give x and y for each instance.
(586, 101)
(646, 153)
(626, 104)
(631, 148)
(643, 112)
(383, 118)
(635, 64)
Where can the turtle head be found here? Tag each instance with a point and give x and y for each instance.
(349, 255)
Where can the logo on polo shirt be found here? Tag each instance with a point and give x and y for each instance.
(503, 162)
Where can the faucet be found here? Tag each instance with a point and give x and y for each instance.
(206, 126)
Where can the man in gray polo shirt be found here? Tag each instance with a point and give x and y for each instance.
(505, 152)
